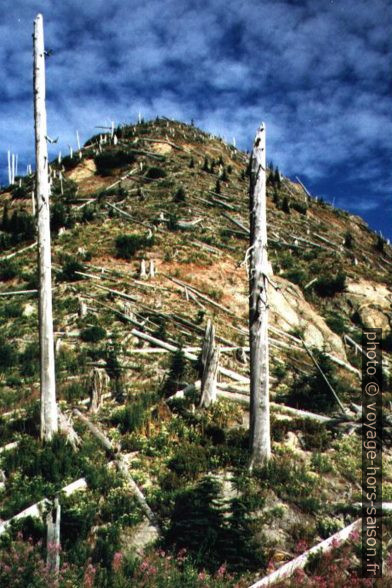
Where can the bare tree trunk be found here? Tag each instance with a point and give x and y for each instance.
(49, 417)
(209, 364)
(208, 385)
(260, 441)
(99, 382)
(53, 538)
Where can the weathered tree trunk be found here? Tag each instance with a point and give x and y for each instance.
(49, 417)
(99, 382)
(209, 367)
(208, 388)
(260, 441)
(53, 537)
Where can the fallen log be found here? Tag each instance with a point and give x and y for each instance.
(10, 255)
(36, 510)
(326, 546)
(121, 466)
(324, 377)
(17, 292)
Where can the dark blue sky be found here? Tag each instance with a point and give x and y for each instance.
(318, 72)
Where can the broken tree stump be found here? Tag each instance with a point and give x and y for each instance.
(98, 386)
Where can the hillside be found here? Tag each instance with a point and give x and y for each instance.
(149, 241)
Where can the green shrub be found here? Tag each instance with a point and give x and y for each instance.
(154, 173)
(176, 372)
(179, 195)
(285, 205)
(9, 269)
(134, 415)
(297, 276)
(8, 354)
(348, 240)
(330, 285)
(69, 162)
(189, 461)
(336, 323)
(21, 226)
(12, 310)
(93, 334)
(311, 392)
(29, 360)
(299, 207)
(128, 245)
(20, 192)
(69, 268)
(380, 244)
(110, 160)
(60, 217)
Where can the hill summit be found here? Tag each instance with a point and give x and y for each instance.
(149, 239)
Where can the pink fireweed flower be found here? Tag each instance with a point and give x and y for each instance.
(301, 546)
(117, 561)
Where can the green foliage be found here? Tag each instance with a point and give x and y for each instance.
(206, 166)
(9, 269)
(107, 161)
(29, 360)
(213, 531)
(311, 392)
(291, 480)
(69, 162)
(179, 195)
(348, 240)
(60, 216)
(8, 354)
(191, 163)
(299, 207)
(285, 205)
(69, 268)
(380, 244)
(154, 173)
(11, 310)
(297, 276)
(188, 461)
(93, 334)
(336, 323)
(197, 523)
(329, 285)
(176, 372)
(21, 226)
(217, 187)
(134, 415)
(20, 192)
(128, 245)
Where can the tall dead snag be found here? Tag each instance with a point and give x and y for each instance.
(98, 385)
(260, 442)
(49, 417)
(53, 537)
(209, 367)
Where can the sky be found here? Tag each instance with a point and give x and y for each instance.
(317, 72)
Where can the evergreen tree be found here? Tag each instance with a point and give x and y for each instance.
(206, 166)
(179, 195)
(176, 373)
(277, 181)
(197, 523)
(5, 220)
(380, 245)
(285, 205)
(224, 176)
(191, 162)
(217, 187)
(348, 240)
